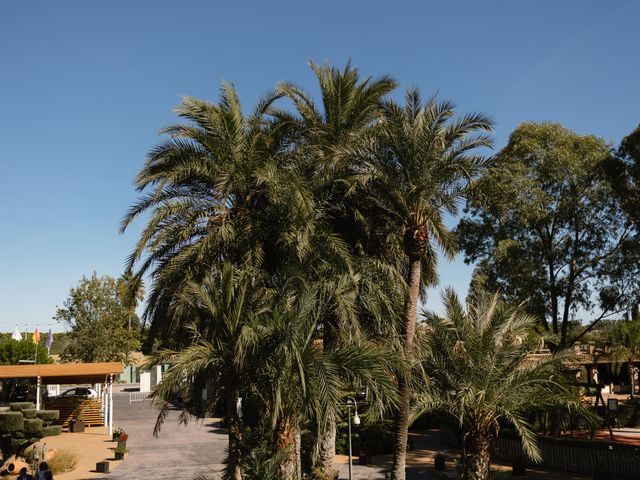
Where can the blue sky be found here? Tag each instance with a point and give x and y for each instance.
(85, 87)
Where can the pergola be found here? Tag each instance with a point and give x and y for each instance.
(70, 373)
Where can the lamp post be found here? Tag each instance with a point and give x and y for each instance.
(356, 421)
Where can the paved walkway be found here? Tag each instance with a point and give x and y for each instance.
(178, 453)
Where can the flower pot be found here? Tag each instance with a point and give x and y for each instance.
(76, 426)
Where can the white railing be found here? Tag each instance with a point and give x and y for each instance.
(138, 397)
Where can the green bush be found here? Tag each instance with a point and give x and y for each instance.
(29, 413)
(20, 406)
(33, 426)
(51, 431)
(376, 438)
(11, 421)
(48, 415)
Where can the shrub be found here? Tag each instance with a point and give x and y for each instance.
(33, 426)
(19, 406)
(48, 415)
(63, 461)
(51, 430)
(11, 421)
(29, 413)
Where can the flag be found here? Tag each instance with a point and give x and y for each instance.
(36, 336)
(49, 339)
(16, 335)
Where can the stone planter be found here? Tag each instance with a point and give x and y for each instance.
(76, 426)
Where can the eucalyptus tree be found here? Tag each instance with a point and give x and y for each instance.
(482, 373)
(348, 108)
(423, 160)
(222, 313)
(218, 189)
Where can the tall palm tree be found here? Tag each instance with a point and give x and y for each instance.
(349, 106)
(219, 189)
(424, 160)
(223, 343)
(482, 374)
(131, 291)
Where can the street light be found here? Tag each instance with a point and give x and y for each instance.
(356, 421)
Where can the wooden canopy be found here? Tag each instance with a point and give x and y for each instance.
(63, 373)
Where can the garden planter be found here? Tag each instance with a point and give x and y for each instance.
(76, 426)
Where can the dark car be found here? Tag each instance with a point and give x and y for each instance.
(23, 393)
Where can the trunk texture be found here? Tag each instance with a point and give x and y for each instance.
(327, 440)
(402, 419)
(235, 440)
(327, 447)
(287, 438)
(476, 456)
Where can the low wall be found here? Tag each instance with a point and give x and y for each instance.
(618, 462)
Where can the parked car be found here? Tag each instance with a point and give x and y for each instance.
(79, 392)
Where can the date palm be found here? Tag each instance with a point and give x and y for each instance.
(219, 189)
(348, 107)
(424, 159)
(482, 373)
(223, 312)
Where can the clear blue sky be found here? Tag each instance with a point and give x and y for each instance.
(85, 87)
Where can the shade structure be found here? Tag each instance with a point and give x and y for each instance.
(63, 373)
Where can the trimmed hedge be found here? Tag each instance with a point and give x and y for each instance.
(20, 406)
(48, 415)
(51, 431)
(29, 413)
(11, 421)
(33, 425)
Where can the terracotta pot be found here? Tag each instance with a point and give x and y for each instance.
(15, 466)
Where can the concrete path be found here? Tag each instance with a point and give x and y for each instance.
(180, 452)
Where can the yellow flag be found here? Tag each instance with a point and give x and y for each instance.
(36, 336)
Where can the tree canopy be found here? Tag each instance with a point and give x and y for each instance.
(99, 320)
(548, 231)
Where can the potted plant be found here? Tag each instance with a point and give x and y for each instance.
(77, 424)
(116, 433)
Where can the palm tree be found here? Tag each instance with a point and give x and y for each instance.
(131, 291)
(423, 161)
(349, 105)
(298, 380)
(223, 342)
(219, 189)
(482, 374)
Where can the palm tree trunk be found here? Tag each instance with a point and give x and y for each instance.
(476, 456)
(402, 418)
(287, 439)
(235, 439)
(631, 380)
(327, 447)
(327, 440)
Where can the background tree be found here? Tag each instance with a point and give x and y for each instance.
(623, 171)
(549, 232)
(12, 351)
(625, 336)
(98, 321)
(478, 360)
(131, 291)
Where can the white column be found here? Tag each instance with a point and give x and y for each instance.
(110, 405)
(38, 385)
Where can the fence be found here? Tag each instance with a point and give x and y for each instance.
(138, 397)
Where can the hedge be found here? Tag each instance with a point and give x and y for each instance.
(48, 415)
(19, 406)
(29, 413)
(33, 426)
(11, 421)
(51, 431)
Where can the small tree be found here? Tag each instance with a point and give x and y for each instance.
(99, 321)
(482, 374)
